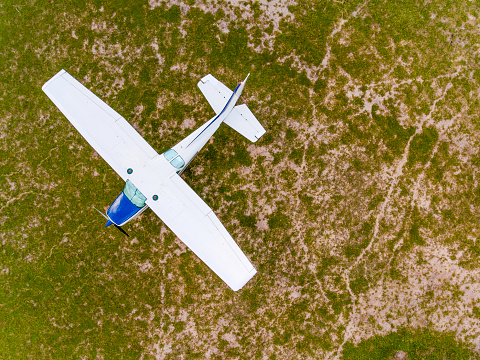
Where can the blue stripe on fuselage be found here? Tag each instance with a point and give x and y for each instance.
(216, 117)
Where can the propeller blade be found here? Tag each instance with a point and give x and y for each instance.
(105, 216)
(119, 228)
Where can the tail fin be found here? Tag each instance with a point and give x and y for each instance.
(243, 121)
(241, 118)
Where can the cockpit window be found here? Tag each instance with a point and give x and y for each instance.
(175, 159)
(170, 154)
(134, 195)
(178, 162)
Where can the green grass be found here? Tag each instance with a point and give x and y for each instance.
(422, 145)
(302, 210)
(414, 343)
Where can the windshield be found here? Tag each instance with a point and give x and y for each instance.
(134, 195)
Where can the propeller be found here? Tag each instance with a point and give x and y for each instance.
(106, 217)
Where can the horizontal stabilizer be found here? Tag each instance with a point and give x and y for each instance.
(242, 120)
(215, 92)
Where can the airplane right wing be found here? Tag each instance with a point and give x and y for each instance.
(215, 92)
(192, 220)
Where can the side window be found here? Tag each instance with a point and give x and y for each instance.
(170, 154)
(178, 162)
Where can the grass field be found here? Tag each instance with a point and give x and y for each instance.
(359, 207)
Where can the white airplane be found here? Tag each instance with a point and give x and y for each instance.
(152, 180)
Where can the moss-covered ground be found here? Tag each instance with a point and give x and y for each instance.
(359, 207)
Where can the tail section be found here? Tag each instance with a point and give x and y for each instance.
(240, 118)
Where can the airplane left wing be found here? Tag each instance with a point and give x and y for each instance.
(192, 220)
(114, 139)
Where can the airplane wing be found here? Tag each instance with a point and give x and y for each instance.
(112, 137)
(192, 220)
(215, 92)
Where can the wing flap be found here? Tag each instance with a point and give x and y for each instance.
(187, 215)
(129, 133)
(216, 93)
(190, 194)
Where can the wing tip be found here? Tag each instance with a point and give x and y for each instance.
(239, 285)
(60, 73)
